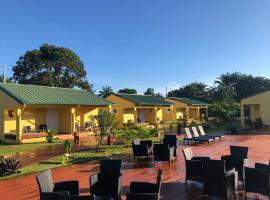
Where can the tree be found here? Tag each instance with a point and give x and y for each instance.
(195, 90)
(105, 91)
(222, 93)
(225, 110)
(228, 79)
(128, 91)
(51, 66)
(150, 91)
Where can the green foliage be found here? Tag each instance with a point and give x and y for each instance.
(222, 93)
(51, 133)
(153, 132)
(130, 134)
(225, 110)
(8, 166)
(51, 66)
(107, 124)
(105, 91)
(150, 91)
(143, 132)
(195, 90)
(67, 145)
(128, 91)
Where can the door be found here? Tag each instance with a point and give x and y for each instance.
(141, 115)
(53, 119)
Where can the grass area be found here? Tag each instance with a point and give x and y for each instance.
(12, 149)
(76, 157)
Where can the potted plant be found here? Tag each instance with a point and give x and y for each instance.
(67, 147)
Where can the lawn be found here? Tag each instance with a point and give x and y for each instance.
(76, 157)
(12, 149)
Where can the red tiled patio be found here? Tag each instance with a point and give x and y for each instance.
(172, 188)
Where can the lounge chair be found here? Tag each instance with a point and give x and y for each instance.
(108, 182)
(258, 179)
(172, 141)
(237, 160)
(196, 134)
(51, 191)
(163, 152)
(197, 138)
(189, 138)
(145, 191)
(202, 132)
(194, 166)
(217, 181)
(142, 148)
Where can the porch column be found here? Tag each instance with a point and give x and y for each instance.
(187, 114)
(198, 113)
(172, 112)
(155, 114)
(242, 117)
(110, 108)
(206, 112)
(18, 125)
(2, 124)
(72, 121)
(135, 115)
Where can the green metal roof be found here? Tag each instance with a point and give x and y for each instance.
(188, 101)
(39, 95)
(144, 100)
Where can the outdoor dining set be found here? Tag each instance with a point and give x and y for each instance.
(220, 178)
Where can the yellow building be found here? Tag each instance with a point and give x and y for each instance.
(257, 106)
(187, 109)
(139, 109)
(27, 110)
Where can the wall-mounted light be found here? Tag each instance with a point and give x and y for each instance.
(11, 113)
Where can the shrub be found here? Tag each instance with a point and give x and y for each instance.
(50, 135)
(130, 134)
(67, 145)
(8, 166)
(153, 132)
(143, 132)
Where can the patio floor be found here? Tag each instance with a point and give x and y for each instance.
(173, 182)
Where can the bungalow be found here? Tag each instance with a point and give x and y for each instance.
(255, 107)
(27, 110)
(185, 109)
(133, 108)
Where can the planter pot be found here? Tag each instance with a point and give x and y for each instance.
(110, 139)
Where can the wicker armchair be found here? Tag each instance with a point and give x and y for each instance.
(108, 182)
(172, 141)
(217, 181)
(51, 191)
(237, 160)
(163, 152)
(194, 166)
(145, 191)
(142, 148)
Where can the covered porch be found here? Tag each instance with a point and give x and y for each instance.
(142, 115)
(30, 123)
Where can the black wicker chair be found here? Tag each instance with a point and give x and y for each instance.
(217, 181)
(258, 179)
(75, 197)
(51, 191)
(237, 160)
(145, 191)
(163, 152)
(194, 166)
(172, 141)
(142, 148)
(108, 181)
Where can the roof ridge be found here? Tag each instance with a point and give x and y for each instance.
(135, 94)
(43, 86)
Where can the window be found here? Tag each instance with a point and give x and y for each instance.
(168, 110)
(114, 110)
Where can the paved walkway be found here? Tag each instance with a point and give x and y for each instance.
(173, 183)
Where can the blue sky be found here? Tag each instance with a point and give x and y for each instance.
(144, 43)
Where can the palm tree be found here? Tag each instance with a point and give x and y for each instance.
(229, 79)
(105, 91)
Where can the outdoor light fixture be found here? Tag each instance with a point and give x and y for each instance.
(11, 113)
